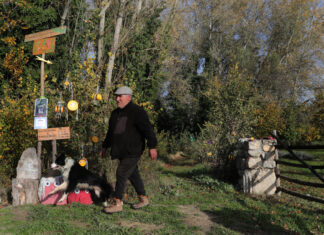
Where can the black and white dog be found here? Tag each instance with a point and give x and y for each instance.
(76, 176)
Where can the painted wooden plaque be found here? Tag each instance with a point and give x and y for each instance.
(54, 133)
(46, 45)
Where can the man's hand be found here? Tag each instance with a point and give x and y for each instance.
(153, 154)
(102, 153)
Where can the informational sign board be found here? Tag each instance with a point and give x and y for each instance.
(45, 34)
(40, 123)
(58, 133)
(41, 107)
(46, 45)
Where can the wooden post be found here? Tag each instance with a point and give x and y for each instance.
(54, 150)
(277, 171)
(39, 146)
(42, 75)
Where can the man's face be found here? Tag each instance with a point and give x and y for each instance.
(123, 100)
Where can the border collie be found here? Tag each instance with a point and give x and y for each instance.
(76, 176)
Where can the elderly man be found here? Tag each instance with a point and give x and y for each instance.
(129, 127)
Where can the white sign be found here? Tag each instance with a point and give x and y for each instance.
(40, 123)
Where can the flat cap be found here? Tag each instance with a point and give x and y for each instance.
(124, 90)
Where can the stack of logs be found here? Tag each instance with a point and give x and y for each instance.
(255, 160)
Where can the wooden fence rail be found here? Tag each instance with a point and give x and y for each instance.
(300, 147)
(317, 185)
(309, 198)
(297, 165)
(282, 145)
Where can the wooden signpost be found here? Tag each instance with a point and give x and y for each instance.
(54, 134)
(44, 42)
(45, 34)
(59, 133)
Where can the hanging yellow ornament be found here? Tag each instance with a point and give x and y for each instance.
(94, 139)
(83, 162)
(72, 105)
(99, 97)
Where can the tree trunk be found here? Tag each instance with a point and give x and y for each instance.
(115, 44)
(66, 10)
(104, 6)
(138, 9)
(24, 191)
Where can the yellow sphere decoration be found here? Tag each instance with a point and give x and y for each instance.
(83, 162)
(94, 139)
(73, 105)
(99, 97)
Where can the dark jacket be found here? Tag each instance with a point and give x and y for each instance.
(128, 129)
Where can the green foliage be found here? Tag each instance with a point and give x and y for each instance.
(292, 133)
(233, 101)
(140, 59)
(16, 128)
(270, 116)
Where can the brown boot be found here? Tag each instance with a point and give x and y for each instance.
(116, 206)
(143, 201)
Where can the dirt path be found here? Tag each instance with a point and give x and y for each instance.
(193, 218)
(197, 218)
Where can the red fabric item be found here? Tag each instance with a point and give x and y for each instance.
(80, 196)
(47, 185)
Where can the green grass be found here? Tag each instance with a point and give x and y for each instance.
(169, 186)
(304, 174)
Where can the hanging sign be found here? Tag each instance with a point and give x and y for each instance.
(40, 123)
(58, 133)
(41, 107)
(45, 34)
(45, 45)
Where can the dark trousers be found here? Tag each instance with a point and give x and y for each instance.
(128, 169)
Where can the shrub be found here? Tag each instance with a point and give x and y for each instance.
(16, 132)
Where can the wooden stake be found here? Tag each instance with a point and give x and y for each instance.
(39, 146)
(54, 150)
(42, 75)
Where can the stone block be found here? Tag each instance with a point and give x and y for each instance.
(256, 153)
(259, 181)
(269, 164)
(253, 163)
(269, 156)
(254, 144)
(29, 165)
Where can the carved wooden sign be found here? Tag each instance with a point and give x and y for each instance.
(45, 34)
(54, 133)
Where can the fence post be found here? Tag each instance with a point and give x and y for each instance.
(277, 171)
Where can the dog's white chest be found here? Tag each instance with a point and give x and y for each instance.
(67, 167)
